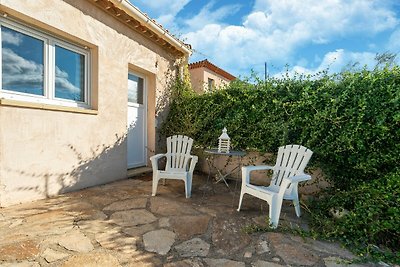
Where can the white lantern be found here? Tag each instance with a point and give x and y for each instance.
(224, 142)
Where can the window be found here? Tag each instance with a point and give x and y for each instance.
(135, 89)
(38, 67)
(210, 84)
(70, 74)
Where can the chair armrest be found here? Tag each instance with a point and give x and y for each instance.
(291, 180)
(247, 169)
(299, 178)
(154, 160)
(193, 162)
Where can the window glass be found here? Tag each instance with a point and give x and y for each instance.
(22, 62)
(210, 84)
(135, 89)
(69, 74)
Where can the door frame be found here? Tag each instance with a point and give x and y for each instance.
(145, 105)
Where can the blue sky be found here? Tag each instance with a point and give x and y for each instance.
(304, 36)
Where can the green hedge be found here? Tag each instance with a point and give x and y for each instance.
(350, 120)
(372, 223)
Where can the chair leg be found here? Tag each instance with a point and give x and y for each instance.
(275, 212)
(273, 217)
(240, 199)
(155, 183)
(296, 204)
(274, 222)
(188, 187)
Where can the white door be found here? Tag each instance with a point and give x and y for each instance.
(137, 126)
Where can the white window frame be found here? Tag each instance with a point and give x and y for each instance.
(49, 44)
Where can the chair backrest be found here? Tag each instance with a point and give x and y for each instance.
(178, 152)
(291, 161)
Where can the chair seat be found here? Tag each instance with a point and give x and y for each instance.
(272, 189)
(173, 174)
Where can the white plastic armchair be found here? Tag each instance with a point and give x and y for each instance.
(177, 165)
(287, 173)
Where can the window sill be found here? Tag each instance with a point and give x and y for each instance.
(24, 104)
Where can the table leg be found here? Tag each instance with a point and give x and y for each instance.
(222, 178)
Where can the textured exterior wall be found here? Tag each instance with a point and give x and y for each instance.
(228, 165)
(48, 152)
(219, 81)
(199, 79)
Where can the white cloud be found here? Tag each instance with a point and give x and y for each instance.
(164, 11)
(20, 73)
(334, 62)
(209, 16)
(337, 60)
(258, 20)
(324, 18)
(63, 84)
(11, 38)
(18, 70)
(275, 30)
(394, 42)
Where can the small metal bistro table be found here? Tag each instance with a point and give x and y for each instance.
(211, 153)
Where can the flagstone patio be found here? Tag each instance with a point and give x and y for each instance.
(120, 224)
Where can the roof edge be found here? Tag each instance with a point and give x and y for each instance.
(207, 64)
(130, 9)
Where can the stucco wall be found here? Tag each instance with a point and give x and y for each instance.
(218, 79)
(199, 79)
(47, 152)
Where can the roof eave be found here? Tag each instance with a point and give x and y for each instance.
(210, 66)
(143, 24)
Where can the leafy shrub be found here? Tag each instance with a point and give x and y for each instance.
(350, 120)
(370, 225)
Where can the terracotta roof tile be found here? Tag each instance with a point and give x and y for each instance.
(207, 64)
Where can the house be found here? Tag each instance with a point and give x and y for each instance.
(205, 76)
(80, 82)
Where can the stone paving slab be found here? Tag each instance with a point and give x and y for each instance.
(129, 218)
(120, 224)
(190, 225)
(195, 247)
(159, 241)
(115, 240)
(139, 203)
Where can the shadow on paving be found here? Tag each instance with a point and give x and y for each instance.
(120, 224)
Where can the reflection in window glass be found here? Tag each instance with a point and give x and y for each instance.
(69, 75)
(22, 62)
(135, 89)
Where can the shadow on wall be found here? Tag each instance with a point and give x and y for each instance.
(103, 162)
(106, 163)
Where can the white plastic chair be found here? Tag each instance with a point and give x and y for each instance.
(287, 173)
(177, 165)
